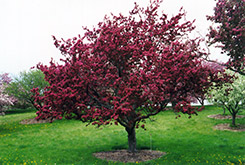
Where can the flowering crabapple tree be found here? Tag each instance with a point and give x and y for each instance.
(230, 96)
(209, 73)
(124, 71)
(5, 100)
(229, 33)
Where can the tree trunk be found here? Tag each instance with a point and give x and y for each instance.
(234, 119)
(202, 102)
(173, 104)
(131, 139)
(224, 110)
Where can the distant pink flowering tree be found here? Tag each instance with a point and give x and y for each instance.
(125, 71)
(5, 99)
(228, 33)
(210, 72)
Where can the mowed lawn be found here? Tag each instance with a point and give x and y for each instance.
(186, 141)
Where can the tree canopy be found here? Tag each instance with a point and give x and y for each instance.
(230, 96)
(5, 99)
(22, 85)
(228, 33)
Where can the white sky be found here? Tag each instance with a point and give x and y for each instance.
(27, 25)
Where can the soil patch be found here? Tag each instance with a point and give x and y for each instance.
(226, 126)
(125, 156)
(35, 121)
(219, 116)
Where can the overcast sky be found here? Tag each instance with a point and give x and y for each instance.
(27, 25)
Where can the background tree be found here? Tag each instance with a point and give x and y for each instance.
(229, 32)
(21, 87)
(124, 71)
(230, 96)
(5, 100)
(209, 73)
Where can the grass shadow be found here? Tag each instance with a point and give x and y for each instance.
(118, 147)
(19, 111)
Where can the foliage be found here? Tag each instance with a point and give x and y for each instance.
(21, 87)
(125, 71)
(209, 73)
(231, 96)
(230, 31)
(5, 79)
(5, 99)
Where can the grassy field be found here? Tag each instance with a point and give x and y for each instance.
(186, 141)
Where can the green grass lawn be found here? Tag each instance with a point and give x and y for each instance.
(186, 141)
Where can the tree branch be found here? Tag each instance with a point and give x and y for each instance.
(151, 114)
(227, 66)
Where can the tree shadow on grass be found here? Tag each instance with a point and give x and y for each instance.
(139, 147)
(19, 111)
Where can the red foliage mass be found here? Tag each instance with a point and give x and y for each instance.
(229, 34)
(126, 70)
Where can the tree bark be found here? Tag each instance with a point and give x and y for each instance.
(202, 101)
(233, 119)
(223, 110)
(173, 104)
(131, 139)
